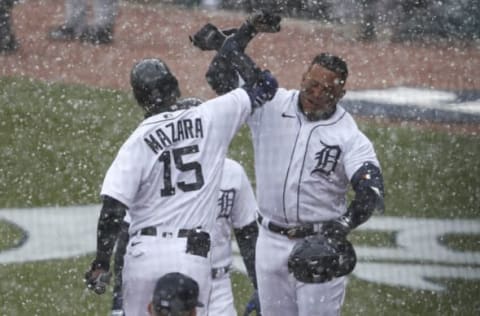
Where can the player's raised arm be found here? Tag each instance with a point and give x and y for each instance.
(260, 86)
(231, 62)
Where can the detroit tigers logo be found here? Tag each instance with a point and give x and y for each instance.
(225, 202)
(327, 159)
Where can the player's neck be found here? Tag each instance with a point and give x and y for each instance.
(316, 115)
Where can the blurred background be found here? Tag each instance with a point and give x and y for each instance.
(423, 20)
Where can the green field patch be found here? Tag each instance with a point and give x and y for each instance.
(462, 242)
(12, 235)
(58, 141)
(372, 238)
(53, 287)
(364, 298)
(427, 173)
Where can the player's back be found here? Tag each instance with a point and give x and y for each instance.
(168, 171)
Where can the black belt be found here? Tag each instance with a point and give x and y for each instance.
(152, 231)
(301, 231)
(218, 272)
(198, 242)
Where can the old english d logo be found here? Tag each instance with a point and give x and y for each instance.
(225, 201)
(327, 159)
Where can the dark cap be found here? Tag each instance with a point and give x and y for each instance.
(175, 292)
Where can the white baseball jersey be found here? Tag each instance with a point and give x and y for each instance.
(167, 172)
(303, 168)
(236, 207)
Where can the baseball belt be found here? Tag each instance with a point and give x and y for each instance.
(219, 272)
(198, 242)
(300, 231)
(152, 231)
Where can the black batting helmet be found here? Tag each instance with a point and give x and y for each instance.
(318, 259)
(154, 86)
(175, 293)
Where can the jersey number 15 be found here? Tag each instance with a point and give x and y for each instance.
(177, 153)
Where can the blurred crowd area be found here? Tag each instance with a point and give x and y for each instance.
(396, 20)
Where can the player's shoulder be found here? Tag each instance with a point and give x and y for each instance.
(232, 166)
(342, 119)
(284, 94)
(284, 100)
(233, 172)
(238, 95)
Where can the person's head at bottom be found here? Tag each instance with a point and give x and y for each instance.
(175, 294)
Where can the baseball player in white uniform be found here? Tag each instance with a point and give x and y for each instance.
(237, 210)
(308, 150)
(167, 174)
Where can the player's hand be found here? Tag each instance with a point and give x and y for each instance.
(97, 278)
(265, 21)
(209, 37)
(253, 305)
(263, 90)
(336, 229)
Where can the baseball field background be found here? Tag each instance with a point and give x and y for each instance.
(65, 109)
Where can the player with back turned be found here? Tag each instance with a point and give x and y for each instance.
(236, 206)
(308, 152)
(167, 174)
(236, 210)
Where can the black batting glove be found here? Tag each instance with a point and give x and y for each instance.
(263, 90)
(265, 22)
(209, 37)
(98, 277)
(336, 229)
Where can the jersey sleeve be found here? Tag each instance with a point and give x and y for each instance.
(254, 120)
(123, 178)
(230, 111)
(360, 151)
(245, 206)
